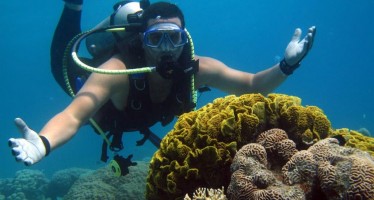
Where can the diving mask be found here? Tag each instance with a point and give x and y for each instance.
(162, 32)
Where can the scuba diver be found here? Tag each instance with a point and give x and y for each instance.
(147, 72)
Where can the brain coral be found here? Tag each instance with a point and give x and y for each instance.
(324, 171)
(252, 177)
(278, 147)
(199, 150)
(337, 172)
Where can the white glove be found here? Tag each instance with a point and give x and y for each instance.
(296, 50)
(30, 149)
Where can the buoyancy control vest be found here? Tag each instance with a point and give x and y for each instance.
(140, 112)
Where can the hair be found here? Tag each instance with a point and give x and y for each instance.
(164, 10)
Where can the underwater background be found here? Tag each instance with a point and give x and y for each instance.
(336, 76)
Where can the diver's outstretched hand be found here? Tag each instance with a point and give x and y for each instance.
(29, 149)
(297, 49)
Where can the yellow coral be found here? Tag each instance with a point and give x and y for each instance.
(356, 139)
(308, 137)
(305, 125)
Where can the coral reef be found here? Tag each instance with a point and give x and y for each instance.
(255, 175)
(94, 189)
(257, 147)
(103, 184)
(62, 180)
(342, 172)
(27, 184)
(76, 183)
(207, 194)
(324, 171)
(278, 147)
(199, 150)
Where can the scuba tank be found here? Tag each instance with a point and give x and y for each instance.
(125, 13)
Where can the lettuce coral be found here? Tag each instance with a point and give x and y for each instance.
(199, 150)
(356, 139)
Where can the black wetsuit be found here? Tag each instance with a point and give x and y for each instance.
(68, 26)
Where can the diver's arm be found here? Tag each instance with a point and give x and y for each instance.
(97, 90)
(218, 75)
(63, 126)
(32, 147)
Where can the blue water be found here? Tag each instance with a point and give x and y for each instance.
(336, 76)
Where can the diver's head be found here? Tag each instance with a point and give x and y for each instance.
(161, 10)
(164, 34)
